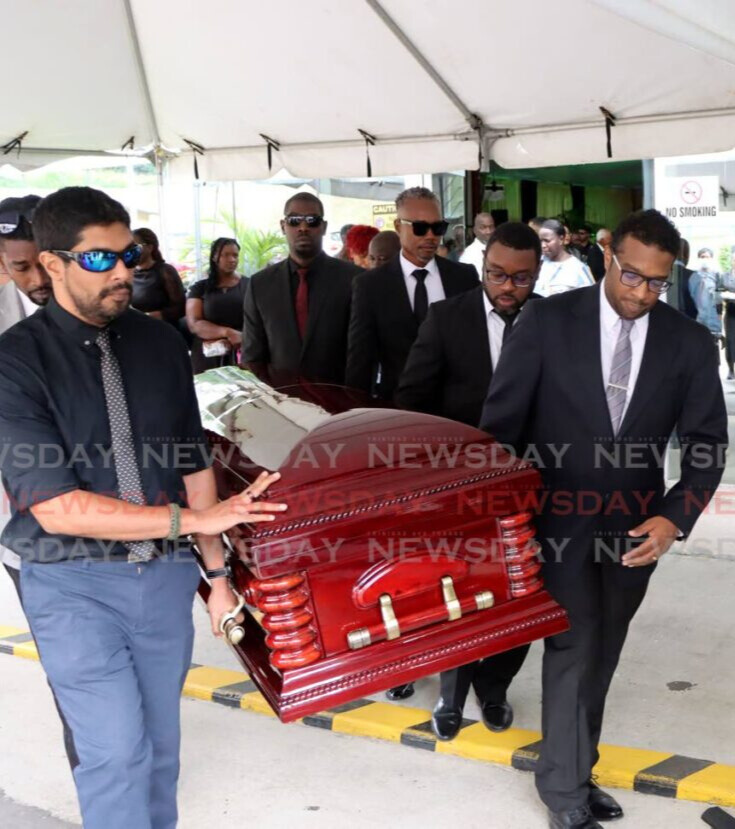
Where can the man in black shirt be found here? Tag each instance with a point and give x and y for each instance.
(297, 312)
(104, 457)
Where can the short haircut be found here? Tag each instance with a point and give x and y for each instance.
(304, 197)
(585, 228)
(649, 227)
(517, 236)
(538, 221)
(358, 239)
(556, 226)
(60, 218)
(416, 193)
(702, 251)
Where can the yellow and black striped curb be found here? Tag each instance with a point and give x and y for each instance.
(646, 771)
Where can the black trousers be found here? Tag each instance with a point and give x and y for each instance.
(730, 333)
(601, 599)
(71, 751)
(489, 677)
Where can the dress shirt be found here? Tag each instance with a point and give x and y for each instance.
(474, 254)
(609, 333)
(56, 429)
(29, 307)
(495, 329)
(433, 282)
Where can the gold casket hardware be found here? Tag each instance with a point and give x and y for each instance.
(392, 628)
(453, 609)
(228, 624)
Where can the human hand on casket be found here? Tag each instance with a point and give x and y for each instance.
(240, 508)
(222, 600)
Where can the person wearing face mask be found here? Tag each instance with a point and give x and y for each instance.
(703, 287)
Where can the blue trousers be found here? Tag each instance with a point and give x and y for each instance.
(115, 640)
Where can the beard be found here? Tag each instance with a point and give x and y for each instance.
(96, 310)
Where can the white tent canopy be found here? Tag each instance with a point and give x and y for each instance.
(436, 85)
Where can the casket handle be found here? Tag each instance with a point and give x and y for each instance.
(229, 625)
(454, 609)
(392, 628)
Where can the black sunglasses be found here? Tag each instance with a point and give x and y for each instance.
(10, 221)
(422, 228)
(101, 261)
(311, 219)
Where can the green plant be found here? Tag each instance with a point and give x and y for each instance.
(258, 248)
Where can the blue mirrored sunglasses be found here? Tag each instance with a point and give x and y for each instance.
(99, 261)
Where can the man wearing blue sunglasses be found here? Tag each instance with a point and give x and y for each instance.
(108, 579)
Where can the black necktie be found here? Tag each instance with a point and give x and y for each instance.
(508, 319)
(421, 297)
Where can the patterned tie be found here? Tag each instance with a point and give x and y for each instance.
(421, 297)
(302, 301)
(617, 385)
(126, 464)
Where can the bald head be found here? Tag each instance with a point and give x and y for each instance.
(483, 227)
(603, 237)
(383, 248)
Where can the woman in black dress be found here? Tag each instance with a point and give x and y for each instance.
(157, 287)
(214, 308)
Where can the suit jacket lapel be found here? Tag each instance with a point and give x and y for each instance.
(397, 285)
(284, 302)
(479, 339)
(318, 293)
(653, 367)
(584, 335)
(11, 308)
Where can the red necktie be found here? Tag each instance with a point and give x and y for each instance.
(302, 301)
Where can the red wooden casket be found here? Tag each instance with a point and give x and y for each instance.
(407, 548)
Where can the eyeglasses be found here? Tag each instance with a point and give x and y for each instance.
(9, 221)
(422, 228)
(658, 285)
(100, 261)
(311, 219)
(520, 280)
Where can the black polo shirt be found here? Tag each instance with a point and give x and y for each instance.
(55, 432)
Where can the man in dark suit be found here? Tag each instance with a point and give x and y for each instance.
(607, 373)
(596, 253)
(296, 313)
(390, 302)
(447, 373)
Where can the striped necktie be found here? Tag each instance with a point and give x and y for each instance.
(617, 384)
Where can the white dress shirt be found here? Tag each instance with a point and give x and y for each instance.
(29, 307)
(474, 254)
(495, 329)
(609, 333)
(433, 282)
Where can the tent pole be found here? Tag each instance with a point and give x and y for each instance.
(142, 76)
(472, 119)
(198, 228)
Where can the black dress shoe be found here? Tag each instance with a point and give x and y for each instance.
(400, 691)
(580, 818)
(446, 721)
(497, 717)
(602, 805)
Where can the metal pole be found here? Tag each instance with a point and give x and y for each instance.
(198, 229)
